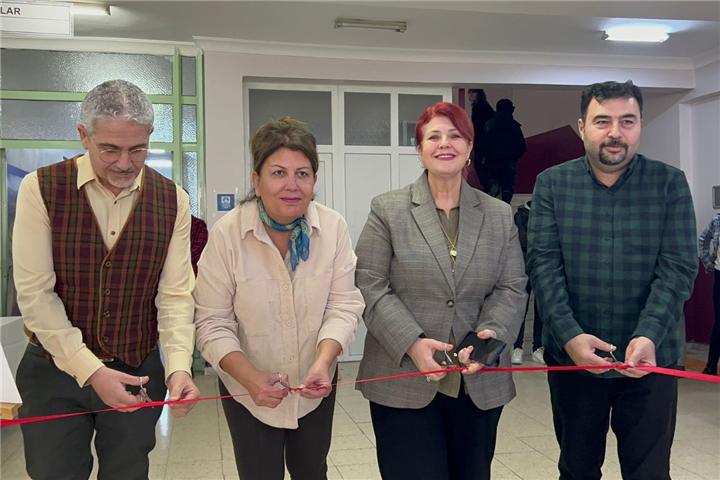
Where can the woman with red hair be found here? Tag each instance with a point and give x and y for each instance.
(437, 261)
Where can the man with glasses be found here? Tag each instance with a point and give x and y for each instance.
(102, 257)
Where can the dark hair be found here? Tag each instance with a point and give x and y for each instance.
(609, 90)
(283, 133)
(454, 113)
(504, 105)
(480, 94)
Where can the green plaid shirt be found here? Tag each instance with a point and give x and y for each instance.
(615, 262)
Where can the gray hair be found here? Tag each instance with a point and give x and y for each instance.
(116, 99)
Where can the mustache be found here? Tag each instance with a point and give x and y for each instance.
(614, 143)
(123, 172)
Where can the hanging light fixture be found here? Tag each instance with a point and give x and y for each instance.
(399, 27)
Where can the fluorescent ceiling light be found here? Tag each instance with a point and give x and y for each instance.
(159, 163)
(97, 9)
(399, 27)
(637, 33)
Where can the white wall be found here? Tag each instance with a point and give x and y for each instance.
(660, 137)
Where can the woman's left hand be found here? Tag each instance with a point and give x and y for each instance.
(317, 384)
(464, 354)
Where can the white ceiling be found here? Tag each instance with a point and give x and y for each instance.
(570, 27)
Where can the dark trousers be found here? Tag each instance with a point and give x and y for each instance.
(261, 451)
(449, 439)
(714, 353)
(60, 449)
(537, 326)
(641, 412)
(502, 178)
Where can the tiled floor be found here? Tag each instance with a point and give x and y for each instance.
(198, 447)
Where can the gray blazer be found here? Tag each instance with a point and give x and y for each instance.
(404, 273)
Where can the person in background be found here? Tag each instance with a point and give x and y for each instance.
(612, 260)
(482, 112)
(438, 260)
(276, 304)
(710, 257)
(521, 221)
(198, 240)
(502, 144)
(102, 268)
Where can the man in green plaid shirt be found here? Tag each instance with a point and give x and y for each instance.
(612, 260)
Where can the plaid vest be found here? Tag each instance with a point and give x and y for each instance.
(109, 295)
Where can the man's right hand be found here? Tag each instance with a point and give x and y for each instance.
(582, 351)
(110, 385)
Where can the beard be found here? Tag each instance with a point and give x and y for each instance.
(613, 159)
(119, 182)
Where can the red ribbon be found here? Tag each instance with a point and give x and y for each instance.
(660, 370)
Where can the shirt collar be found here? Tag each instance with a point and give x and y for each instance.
(625, 175)
(250, 219)
(87, 174)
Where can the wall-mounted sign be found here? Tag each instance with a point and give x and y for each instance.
(226, 202)
(36, 19)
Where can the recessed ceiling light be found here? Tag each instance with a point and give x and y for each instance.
(98, 9)
(637, 33)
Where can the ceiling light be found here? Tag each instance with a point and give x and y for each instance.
(399, 27)
(637, 33)
(97, 9)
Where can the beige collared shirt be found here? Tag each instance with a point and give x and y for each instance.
(247, 301)
(43, 311)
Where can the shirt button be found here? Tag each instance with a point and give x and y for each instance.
(607, 239)
(450, 304)
(290, 359)
(288, 323)
(112, 233)
(106, 338)
(107, 292)
(286, 287)
(607, 262)
(106, 314)
(108, 264)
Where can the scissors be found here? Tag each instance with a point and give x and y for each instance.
(143, 393)
(612, 349)
(282, 382)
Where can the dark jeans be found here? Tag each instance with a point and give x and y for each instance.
(261, 451)
(449, 439)
(641, 412)
(714, 353)
(60, 449)
(503, 178)
(537, 326)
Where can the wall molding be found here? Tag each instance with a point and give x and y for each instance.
(102, 44)
(441, 56)
(711, 56)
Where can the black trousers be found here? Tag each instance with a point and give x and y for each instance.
(504, 178)
(60, 449)
(537, 325)
(261, 451)
(449, 439)
(714, 353)
(641, 412)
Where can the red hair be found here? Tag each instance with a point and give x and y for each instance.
(454, 113)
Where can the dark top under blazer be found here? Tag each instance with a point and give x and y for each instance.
(405, 275)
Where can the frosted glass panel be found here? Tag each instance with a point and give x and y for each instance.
(410, 107)
(163, 123)
(187, 65)
(39, 70)
(39, 120)
(190, 178)
(409, 169)
(189, 124)
(367, 119)
(313, 108)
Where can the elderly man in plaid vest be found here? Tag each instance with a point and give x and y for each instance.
(102, 257)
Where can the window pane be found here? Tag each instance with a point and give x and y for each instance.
(189, 124)
(410, 107)
(190, 178)
(312, 108)
(188, 76)
(39, 120)
(51, 71)
(161, 161)
(367, 119)
(163, 123)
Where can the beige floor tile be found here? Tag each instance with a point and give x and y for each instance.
(350, 442)
(12, 441)
(356, 456)
(333, 473)
(345, 430)
(157, 472)
(679, 473)
(196, 451)
(204, 470)
(507, 443)
(542, 443)
(529, 465)
(367, 471)
(343, 419)
(707, 466)
(520, 425)
(501, 472)
(368, 430)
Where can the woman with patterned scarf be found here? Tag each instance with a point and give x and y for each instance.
(276, 304)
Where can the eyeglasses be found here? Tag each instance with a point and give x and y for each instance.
(112, 155)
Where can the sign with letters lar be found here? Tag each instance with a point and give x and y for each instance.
(36, 19)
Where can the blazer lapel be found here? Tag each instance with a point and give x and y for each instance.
(425, 214)
(471, 219)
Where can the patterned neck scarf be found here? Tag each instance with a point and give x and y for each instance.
(299, 238)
